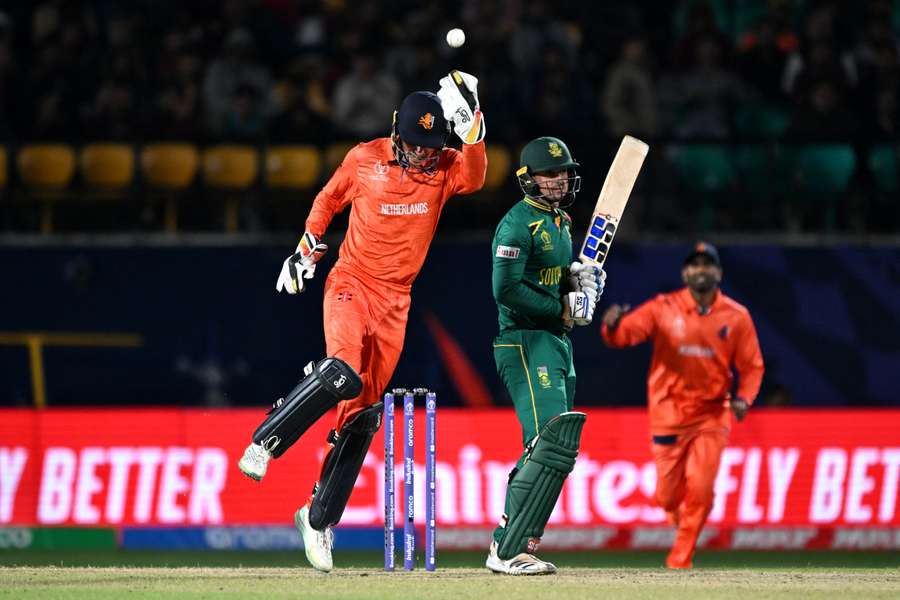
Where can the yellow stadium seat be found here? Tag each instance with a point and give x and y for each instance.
(46, 169)
(4, 179)
(172, 167)
(293, 166)
(169, 165)
(107, 165)
(334, 156)
(231, 167)
(46, 166)
(499, 168)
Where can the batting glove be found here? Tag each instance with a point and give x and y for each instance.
(587, 278)
(578, 308)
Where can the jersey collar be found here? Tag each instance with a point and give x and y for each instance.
(537, 205)
(691, 305)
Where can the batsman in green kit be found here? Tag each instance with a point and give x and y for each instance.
(541, 294)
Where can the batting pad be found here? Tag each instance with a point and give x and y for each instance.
(535, 487)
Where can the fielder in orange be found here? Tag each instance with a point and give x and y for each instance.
(699, 334)
(396, 187)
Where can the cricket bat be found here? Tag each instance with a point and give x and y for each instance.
(612, 200)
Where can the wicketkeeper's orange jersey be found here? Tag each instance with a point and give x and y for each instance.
(394, 212)
(690, 379)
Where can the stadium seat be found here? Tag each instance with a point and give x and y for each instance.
(4, 179)
(754, 166)
(821, 173)
(499, 169)
(706, 171)
(107, 165)
(883, 164)
(704, 167)
(46, 169)
(170, 167)
(756, 121)
(233, 168)
(334, 155)
(295, 167)
(825, 168)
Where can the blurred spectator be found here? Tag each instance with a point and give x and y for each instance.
(311, 31)
(823, 115)
(539, 29)
(699, 25)
(112, 113)
(818, 58)
(560, 102)
(364, 99)
(876, 37)
(301, 104)
(245, 118)
(763, 54)
(700, 101)
(178, 104)
(878, 92)
(9, 80)
(53, 90)
(629, 95)
(236, 68)
(885, 120)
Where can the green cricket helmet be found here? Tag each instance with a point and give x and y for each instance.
(548, 155)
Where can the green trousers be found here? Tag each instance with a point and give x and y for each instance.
(537, 369)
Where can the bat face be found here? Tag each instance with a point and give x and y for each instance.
(598, 239)
(612, 200)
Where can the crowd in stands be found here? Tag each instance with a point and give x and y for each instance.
(315, 72)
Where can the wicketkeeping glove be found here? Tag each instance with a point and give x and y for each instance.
(459, 99)
(301, 264)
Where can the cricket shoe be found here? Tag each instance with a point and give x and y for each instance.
(521, 564)
(256, 459)
(317, 543)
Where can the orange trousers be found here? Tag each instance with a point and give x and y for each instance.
(365, 324)
(686, 468)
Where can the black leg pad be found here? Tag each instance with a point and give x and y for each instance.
(330, 381)
(341, 467)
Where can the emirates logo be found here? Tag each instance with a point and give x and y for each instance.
(427, 121)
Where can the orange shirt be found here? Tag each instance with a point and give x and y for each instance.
(690, 378)
(394, 213)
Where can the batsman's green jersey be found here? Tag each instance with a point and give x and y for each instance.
(532, 250)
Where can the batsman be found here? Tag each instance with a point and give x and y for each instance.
(396, 188)
(541, 294)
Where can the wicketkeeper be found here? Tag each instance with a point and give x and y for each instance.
(396, 187)
(541, 294)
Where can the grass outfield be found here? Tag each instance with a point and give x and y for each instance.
(710, 559)
(634, 575)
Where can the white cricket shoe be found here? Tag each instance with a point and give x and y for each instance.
(255, 461)
(317, 543)
(522, 564)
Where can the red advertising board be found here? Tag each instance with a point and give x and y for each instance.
(790, 469)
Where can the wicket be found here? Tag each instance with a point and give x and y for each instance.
(409, 539)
